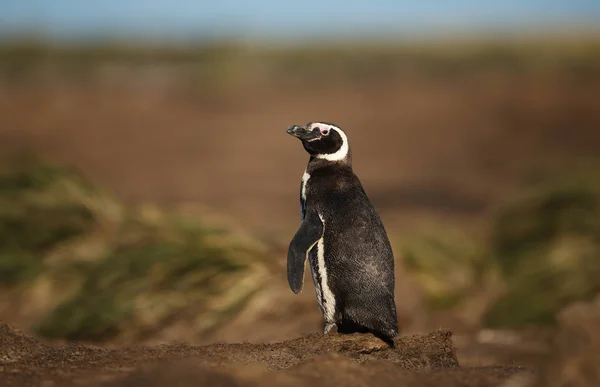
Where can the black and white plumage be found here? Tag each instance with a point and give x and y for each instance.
(343, 238)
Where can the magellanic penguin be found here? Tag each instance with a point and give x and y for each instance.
(343, 238)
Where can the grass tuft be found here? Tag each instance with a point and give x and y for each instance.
(547, 245)
(107, 271)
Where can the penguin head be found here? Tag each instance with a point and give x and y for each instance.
(322, 140)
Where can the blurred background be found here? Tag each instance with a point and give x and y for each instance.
(148, 189)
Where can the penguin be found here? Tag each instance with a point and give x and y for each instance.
(343, 238)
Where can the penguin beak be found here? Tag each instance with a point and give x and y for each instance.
(303, 133)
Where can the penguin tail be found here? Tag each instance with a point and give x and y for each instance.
(389, 336)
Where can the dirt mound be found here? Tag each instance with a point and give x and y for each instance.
(14, 344)
(430, 351)
(419, 360)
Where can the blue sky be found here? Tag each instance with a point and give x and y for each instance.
(279, 19)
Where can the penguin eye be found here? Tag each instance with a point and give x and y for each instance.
(324, 132)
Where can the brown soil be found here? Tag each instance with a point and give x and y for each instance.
(354, 360)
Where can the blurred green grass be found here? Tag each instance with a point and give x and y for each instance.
(222, 62)
(448, 264)
(542, 253)
(38, 209)
(547, 245)
(108, 271)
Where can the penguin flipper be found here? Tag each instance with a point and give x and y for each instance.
(307, 236)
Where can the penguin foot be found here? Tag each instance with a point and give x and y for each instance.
(329, 328)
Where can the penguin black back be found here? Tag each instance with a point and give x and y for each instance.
(344, 239)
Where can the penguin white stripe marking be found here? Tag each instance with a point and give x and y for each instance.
(329, 307)
(341, 153)
(306, 257)
(305, 178)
